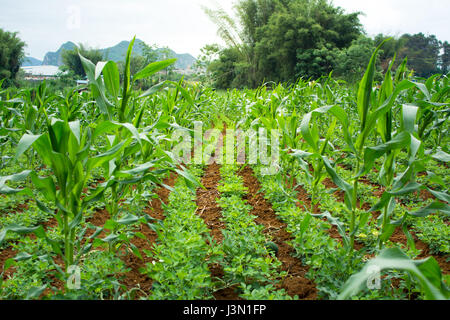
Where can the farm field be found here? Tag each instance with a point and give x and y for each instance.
(314, 191)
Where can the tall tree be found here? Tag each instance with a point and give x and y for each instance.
(444, 60)
(303, 38)
(72, 60)
(351, 63)
(280, 40)
(11, 55)
(423, 53)
(391, 48)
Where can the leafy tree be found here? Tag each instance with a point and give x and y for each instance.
(423, 53)
(281, 40)
(444, 59)
(11, 55)
(149, 53)
(391, 48)
(72, 61)
(303, 38)
(164, 54)
(351, 63)
(224, 70)
(202, 65)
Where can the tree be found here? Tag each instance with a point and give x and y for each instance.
(281, 40)
(165, 53)
(149, 53)
(11, 55)
(224, 70)
(351, 63)
(302, 39)
(444, 59)
(391, 48)
(72, 61)
(423, 53)
(202, 65)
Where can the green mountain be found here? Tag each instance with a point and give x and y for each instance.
(54, 58)
(119, 51)
(31, 62)
(116, 53)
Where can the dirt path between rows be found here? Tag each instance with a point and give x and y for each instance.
(296, 282)
(211, 213)
(134, 277)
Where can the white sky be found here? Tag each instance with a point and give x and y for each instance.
(181, 24)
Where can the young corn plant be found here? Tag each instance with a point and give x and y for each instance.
(316, 150)
(426, 273)
(369, 111)
(66, 149)
(122, 112)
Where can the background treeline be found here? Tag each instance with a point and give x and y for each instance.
(282, 40)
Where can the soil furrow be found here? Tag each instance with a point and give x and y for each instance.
(210, 212)
(134, 277)
(295, 282)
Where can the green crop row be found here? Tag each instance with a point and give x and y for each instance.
(247, 261)
(180, 260)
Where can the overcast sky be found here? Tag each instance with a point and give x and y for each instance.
(181, 24)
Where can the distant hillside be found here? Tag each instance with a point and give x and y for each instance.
(116, 53)
(31, 62)
(54, 58)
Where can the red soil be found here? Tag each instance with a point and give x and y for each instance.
(295, 282)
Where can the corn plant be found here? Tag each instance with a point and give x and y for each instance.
(369, 111)
(426, 272)
(66, 149)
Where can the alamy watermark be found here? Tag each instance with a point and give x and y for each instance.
(232, 146)
(74, 279)
(374, 277)
(73, 21)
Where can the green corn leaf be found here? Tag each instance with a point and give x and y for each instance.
(25, 143)
(440, 195)
(409, 118)
(441, 156)
(432, 208)
(35, 292)
(46, 186)
(346, 187)
(400, 141)
(38, 231)
(98, 160)
(153, 68)
(365, 88)
(426, 271)
(126, 82)
(4, 189)
(111, 78)
(128, 219)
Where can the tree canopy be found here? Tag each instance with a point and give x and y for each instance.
(11, 55)
(283, 40)
(72, 60)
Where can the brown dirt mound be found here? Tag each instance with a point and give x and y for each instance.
(134, 277)
(207, 206)
(295, 282)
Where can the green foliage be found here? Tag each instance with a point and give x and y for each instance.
(71, 59)
(282, 40)
(351, 62)
(426, 272)
(11, 55)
